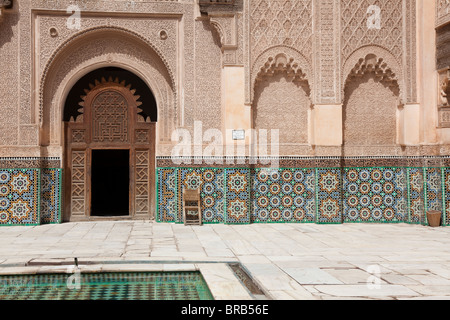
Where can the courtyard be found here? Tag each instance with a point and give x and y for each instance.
(285, 261)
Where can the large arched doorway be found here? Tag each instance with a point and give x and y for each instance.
(109, 118)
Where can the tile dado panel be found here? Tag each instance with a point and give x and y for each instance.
(334, 195)
(30, 196)
(375, 195)
(390, 194)
(286, 195)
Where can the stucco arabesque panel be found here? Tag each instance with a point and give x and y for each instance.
(277, 25)
(148, 28)
(396, 36)
(114, 51)
(119, 11)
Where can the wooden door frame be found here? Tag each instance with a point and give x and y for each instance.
(143, 142)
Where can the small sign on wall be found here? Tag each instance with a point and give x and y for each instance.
(238, 134)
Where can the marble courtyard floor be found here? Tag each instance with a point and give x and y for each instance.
(287, 261)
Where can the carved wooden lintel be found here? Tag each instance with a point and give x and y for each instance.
(444, 117)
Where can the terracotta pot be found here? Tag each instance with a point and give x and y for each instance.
(434, 218)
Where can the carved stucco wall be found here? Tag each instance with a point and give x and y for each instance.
(16, 122)
(92, 49)
(283, 104)
(9, 81)
(278, 26)
(370, 119)
(325, 38)
(208, 66)
(280, 22)
(396, 36)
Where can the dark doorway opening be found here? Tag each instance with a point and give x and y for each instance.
(110, 183)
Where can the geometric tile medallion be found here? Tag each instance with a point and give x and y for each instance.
(302, 195)
(237, 199)
(374, 195)
(19, 196)
(328, 195)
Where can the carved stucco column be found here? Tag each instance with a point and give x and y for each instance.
(428, 82)
(327, 113)
(226, 18)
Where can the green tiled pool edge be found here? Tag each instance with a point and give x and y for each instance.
(154, 285)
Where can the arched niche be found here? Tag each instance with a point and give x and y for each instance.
(294, 61)
(282, 100)
(359, 60)
(372, 96)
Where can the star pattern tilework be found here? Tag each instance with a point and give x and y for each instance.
(285, 195)
(51, 200)
(19, 196)
(374, 195)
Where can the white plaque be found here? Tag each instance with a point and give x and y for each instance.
(238, 134)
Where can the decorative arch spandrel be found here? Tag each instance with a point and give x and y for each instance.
(94, 49)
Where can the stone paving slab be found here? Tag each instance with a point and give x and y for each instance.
(384, 291)
(288, 261)
(314, 276)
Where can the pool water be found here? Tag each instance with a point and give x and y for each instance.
(106, 286)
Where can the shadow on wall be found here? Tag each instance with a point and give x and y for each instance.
(9, 21)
